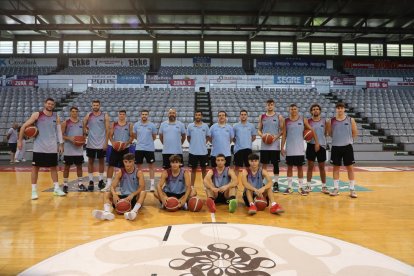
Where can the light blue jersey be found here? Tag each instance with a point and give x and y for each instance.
(319, 128)
(198, 136)
(175, 184)
(129, 182)
(220, 139)
(341, 132)
(243, 135)
(144, 134)
(97, 131)
(172, 137)
(121, 132)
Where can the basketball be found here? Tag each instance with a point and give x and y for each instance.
(118, 145)
(195, 204)
(122, 206)
(79, 141)
(31, 131)
(307, 135)
(172, 204)
(261, 203)
(267, 138)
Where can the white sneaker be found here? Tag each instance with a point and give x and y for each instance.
(106, 189)
(34, 195)
(23, 160)
(130, 215)
(152, 187)
(16, 161)
(59, 192)
(102, 215)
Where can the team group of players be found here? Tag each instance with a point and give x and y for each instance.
(220, 182)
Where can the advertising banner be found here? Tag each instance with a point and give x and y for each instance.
(290, 62)
(28, 62)
(379, 64)
(23, 82)
(158, 79)
(201, 61)
(183, 82)
(377, 84)
(288, 80)
(130, 79)
(317, 79)
(343, 80)
(109, 62)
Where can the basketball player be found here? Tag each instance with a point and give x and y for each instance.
(271, 123)
(293, 129)
(73, 155)
(175, 182)
(319, 126)
(244, 135)
(172, 136)
(46, 144)
(198, 134)
(96, 125)
(222, 135)
(131, 186)
(120, 131)
(145, 132)
(252, 180)
(343, 131)
(12, 141)
(221, 185)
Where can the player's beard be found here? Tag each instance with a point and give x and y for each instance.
(171, 118)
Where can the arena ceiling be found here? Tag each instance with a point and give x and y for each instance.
(387, 20)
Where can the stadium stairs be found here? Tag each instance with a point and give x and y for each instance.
(203, 104)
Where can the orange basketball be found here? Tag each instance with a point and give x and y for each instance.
(267, 138)
(118, 145)
(31, 131)
(195, 204)
(79, 141)
(261, 203)
(307, 135)
(172, 204)
(122, 206)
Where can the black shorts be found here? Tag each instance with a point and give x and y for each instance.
(133, 201)
(141, 154)
(166, 160)
(311, 155)
(269, 156)
(295, 160)
(116, 157)
(73, 160)
(47, 160)
(13, 147)
(246, 201)
(95, 153)
(241, 158)
(213, 161)
(194, 160)
(342, 155)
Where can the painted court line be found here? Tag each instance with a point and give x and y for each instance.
(167, 233)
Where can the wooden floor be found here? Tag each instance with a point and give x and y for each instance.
(382, 220)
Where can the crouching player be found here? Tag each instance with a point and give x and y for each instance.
(132, 188)
(175, 182)
(252, 180)
(221, 185)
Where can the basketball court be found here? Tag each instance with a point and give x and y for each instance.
(317, 235)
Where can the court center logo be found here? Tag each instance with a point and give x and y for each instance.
(219, 259)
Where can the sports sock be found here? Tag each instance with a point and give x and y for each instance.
(336, 184)
(136, 207)
(290, 180)
(352, 184)
(300, 181)
(34, 187)
(56, 185)
(107, 207)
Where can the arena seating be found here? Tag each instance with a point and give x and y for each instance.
(397, 73)
(296, 71)
(26, 71)
(188, 70)
(104, 71)
(390, 109)
(133, 100)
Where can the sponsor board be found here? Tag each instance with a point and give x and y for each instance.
(343, 80)
(23, 82)
(288, 79)
(109, 62)
(377, 84)
(317, 79)
(201, 61)
(290, 62)
(182, 82)
(379, 64)
(130, 79)
(158, 79)
(28, 62)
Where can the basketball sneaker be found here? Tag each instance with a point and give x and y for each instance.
(102, 215)
(91, 186)
(232, 205)
(252, 210)
(302, 192)
(58, 192)
(352, 194)
(211, 205)
(325, 190)
(65, 189)
(334, 192)
(106, 189)
(130, 215)
(34, 195)
(17, 161)
(152, 187)
(275, 187)
(81, 188)
(101, 184)
(308, 188)
(276, 209)
(288, 191)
